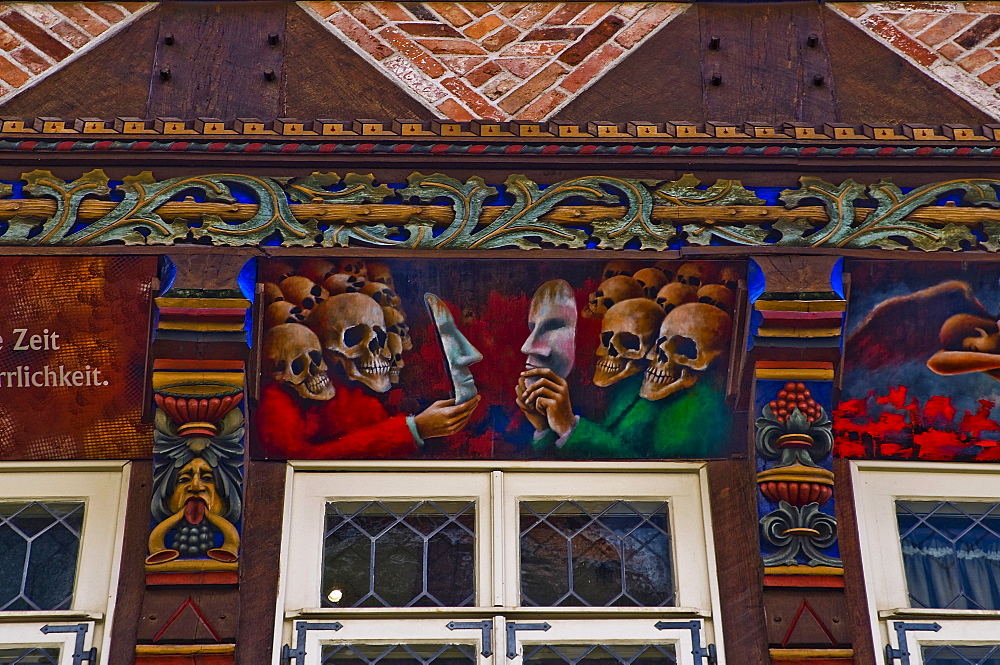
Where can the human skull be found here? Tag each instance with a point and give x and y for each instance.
(691, 337)
(382, 294)
(692, 274)
(342, 282)
(717, 295)
(729, 278)
(292, 355)
(667, 268)
(353, 267)
(282, 311)
(651, 280)
(395, 322)
(394, 343)
(611, 291)
(351, 328)
(316, 269)
(379, 272)
(615, 268)
(627, 334)
(675, 294)
(272, 293)
(302, 291)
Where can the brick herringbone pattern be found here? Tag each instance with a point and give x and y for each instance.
(956, 43)
(38, 38)
(494, 60)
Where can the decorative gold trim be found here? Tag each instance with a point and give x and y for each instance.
(192, 566)
(796, 473)
(182, 649)
(787, 654)
(803, 570)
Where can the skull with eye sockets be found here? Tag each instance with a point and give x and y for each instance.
(351, 328)
(611, 292)
(293, 356)
(627, 334)
(691, 337)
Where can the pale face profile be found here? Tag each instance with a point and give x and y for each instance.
(551, 342)
(458, 351)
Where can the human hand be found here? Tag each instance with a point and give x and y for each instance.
(444, 417)
(549, 394)
(535, 417)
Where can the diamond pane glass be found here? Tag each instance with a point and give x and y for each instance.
(596, 553)
(39, 546)
(951, 553)
(29, 656)
(982, 654)
(398, 654)
(593, 654)
(399, 554)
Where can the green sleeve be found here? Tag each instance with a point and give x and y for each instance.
(590, 440)
(544, 444)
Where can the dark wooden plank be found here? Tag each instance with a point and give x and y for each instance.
(217, 60)
(326, 79)
(111, 80)
(797, 274)
(873, 84)
(858, 612)
(737, 554)
(659, 81)
(260, 551)
(763, 62)
(128, 606)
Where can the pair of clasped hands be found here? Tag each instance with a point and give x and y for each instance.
(543, 397)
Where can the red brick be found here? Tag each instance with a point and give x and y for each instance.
(979, 31)
(462, 64)
(403, 44)
(545, 105)
(991, 76)
(947, 27)
(593, 66)
(500, 38)
(897, 38)
(323, 8)
(392, 10)
(109, 13)
(40, 39)
(590, 42)
(483, 74)
(470, 98)
(509, 9)
(483, 27)
(452, 46)
(497, 88)
(41, 13)
(522, 67)
(984, 7)
(533, 14)
(454, 111)
(9, 42)
(81, 17)
(477, 8)
(655, 16)
(11, 73)
(976, 60)
(949, 51)
(429, 29)
(70, 34)
(534, 87)
(361, 36)
(535, 49)
(364, 15)
(35, 63)
(853, 9)
(451, 12)
(565, 14)
(599, 10)
(552, 34)
(916, 22)
(893, 16)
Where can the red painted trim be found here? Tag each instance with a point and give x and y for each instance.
(793, 364)
(778, 314)
(192, 579)
(188, 659)
(805, 581)
(205, 311)
(197, 611)
(801, 661)
(186, 364)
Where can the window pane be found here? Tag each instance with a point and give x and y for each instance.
(39, 545)
(951, 553)
(398, 654)
(592, 654)
(29, 656)
(596, 553)
(399, 554)
(962, 655)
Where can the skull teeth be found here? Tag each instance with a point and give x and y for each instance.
(376, 368)
(318, 383)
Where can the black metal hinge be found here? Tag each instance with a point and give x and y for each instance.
(902, 654)
(298, 654)
(699, 652)
(79, 654)
(486, 626)
(512, 629)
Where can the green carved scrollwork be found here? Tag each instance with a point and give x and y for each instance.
(685, 191)
(26, 230)
(357, 189)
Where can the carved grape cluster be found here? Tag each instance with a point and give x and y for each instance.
(795, 395)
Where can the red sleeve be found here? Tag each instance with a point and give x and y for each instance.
(388, 438)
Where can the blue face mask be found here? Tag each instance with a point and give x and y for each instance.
(458, 351)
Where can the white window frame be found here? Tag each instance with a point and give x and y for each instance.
(103, 488)
(497, 487)
(877, 487)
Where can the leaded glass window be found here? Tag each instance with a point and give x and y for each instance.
(399, 554)
(39, 547)
(398, 654)
(951, 553)
(947, 654)
(593, 654)
(29, 656)
(596, 553)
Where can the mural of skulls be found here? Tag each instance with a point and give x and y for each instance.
(379, 272)
(717, 295)
(627, 334)
(691, 337)
(729, 278)
(272, 293)
(283, 311)
(395, 322)
(667, 268)
(293, 356)
(351, 328)
(275, 271)
(316, 269)
(611, 291)
(394, 343)
(675, 294)
(302, 291)
(651, 280)
(615, 268)
(692, 274)
(382, 294)
(343, 282)
(353, 267)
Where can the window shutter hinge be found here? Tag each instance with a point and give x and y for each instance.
(902, 654)
(486, 626)
(512, 629)
(298, 654)
(699, 652)
(79, 654)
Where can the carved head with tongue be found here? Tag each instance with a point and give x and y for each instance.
(195, 491)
